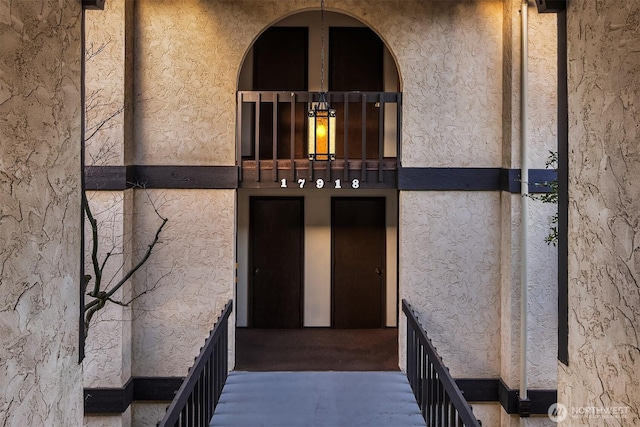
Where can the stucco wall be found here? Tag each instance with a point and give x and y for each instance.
(459, 74)
(449, 269)
(542, 264)
(185, 89)
(192, 272)
(604, 213)
(40, 377)
(109, 84)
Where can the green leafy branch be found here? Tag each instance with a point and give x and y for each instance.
(550, 197)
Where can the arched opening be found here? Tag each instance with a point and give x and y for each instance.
(317, 240)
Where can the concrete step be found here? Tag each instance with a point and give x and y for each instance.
(315, 399)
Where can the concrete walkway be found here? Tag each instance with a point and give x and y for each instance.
(314, 399)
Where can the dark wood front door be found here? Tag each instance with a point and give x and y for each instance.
(280, 64)
(276, 228)
(358, 255)
(356, 57)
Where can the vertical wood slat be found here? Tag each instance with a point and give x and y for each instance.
(239, 136)
(398, 130)
(311, 160)
(293, 135)
(329, 162)
(380, 138)
(346, 137)
(256, 150)
(363, 169)
(274, 137)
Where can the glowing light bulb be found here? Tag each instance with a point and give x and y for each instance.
(321, 131)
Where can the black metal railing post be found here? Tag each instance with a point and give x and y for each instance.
(439, 398)
(197, 397)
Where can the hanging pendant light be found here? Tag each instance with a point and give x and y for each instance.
(322, 118)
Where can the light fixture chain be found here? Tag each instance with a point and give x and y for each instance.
(322, 46)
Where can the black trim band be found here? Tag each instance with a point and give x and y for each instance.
(465, 179)
(93, 4)
(163, 389)
(226, 177)
(116, 400)
(473, 179)
(495, 390)
(174, 177)
(551, 6)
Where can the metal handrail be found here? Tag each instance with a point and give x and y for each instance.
(197, 397)
(440, 400)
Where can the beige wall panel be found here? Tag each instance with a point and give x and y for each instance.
(450, 272)
(533, 421)
(604, 212)
(542, 300)
(107, 106)
(542, 304)
(449, 55)
(189, 55)
(543, 86)
(510, 289)
(40, 378)
(192, 271)
(147, 414)
(488, 413)
(542, 268)
(112, 420)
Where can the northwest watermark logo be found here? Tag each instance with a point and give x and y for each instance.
(559, 412)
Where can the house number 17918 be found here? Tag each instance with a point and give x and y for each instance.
(319, 183)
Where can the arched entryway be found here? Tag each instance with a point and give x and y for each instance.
(317, 241)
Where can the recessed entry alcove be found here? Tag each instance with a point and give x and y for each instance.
(317, 240)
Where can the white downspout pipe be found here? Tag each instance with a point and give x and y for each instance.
(524, 189)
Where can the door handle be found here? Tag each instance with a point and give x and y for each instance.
(256, 270)
(378, 271)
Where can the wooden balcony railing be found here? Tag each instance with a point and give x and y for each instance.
(272, 139)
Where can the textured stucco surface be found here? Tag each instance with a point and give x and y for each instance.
(542, 84)
(449, 270)
(604, 212)
(40, 377)
(194, 270)
(147, 413)
(542, 265)
(113, 420)
(542, 295)
(542, 308)
(189, 54)
(109, 59)
(458, 63)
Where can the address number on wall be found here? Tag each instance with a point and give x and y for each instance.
(319, 183)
